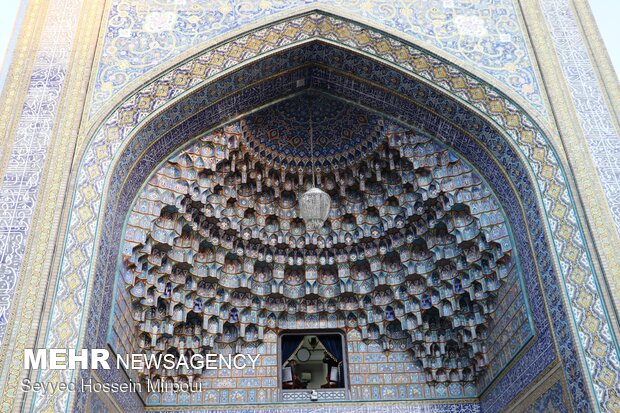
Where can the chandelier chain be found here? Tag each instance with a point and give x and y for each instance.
(312, 151)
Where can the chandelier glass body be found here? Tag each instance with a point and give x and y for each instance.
(314, 204)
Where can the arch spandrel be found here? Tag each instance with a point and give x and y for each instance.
(521, 141)
(448, 23)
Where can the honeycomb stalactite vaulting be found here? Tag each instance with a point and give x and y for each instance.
(412, 255)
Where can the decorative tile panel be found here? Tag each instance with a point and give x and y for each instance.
(587, 97)
(551, 401)
(486, 34)
(20, 183)
(332, 407)
(395, 209)
(574, 269)
(532, 363)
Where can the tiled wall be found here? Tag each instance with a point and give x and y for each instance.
(551, 401)
(67, 9)
(138, 34)
(19, 186)
(510, 330)
(594, 117)
(373, 373)
(224, 386)
(122, 337)
(378, 375)
(97, 405)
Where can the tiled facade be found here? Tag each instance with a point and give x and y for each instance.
(471, 33)
(551, 401)
(511, 326)
(570, 321)
(377, 376)
(540, 355)
(229, 387)
(30, 145)
(587, 96)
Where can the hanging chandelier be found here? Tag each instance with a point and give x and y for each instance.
(314, 204)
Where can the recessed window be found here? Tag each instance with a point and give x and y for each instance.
(312, 361)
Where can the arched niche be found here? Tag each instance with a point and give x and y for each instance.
(388, 76)
(416, 251)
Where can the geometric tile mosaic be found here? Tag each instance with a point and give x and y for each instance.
(30, 143)
(587, 97)
(539, 316)
(551, 401)
(471, 33)
(351, 408)
(418, 109)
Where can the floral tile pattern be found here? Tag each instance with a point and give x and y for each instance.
(485, 34)
(462, 37)
(562, 220)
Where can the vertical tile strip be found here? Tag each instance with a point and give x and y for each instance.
(587, 97)
(20, 184)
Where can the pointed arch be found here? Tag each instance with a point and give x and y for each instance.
(483, 123)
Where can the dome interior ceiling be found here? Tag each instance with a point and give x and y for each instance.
(413, 254)
(342, 133)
